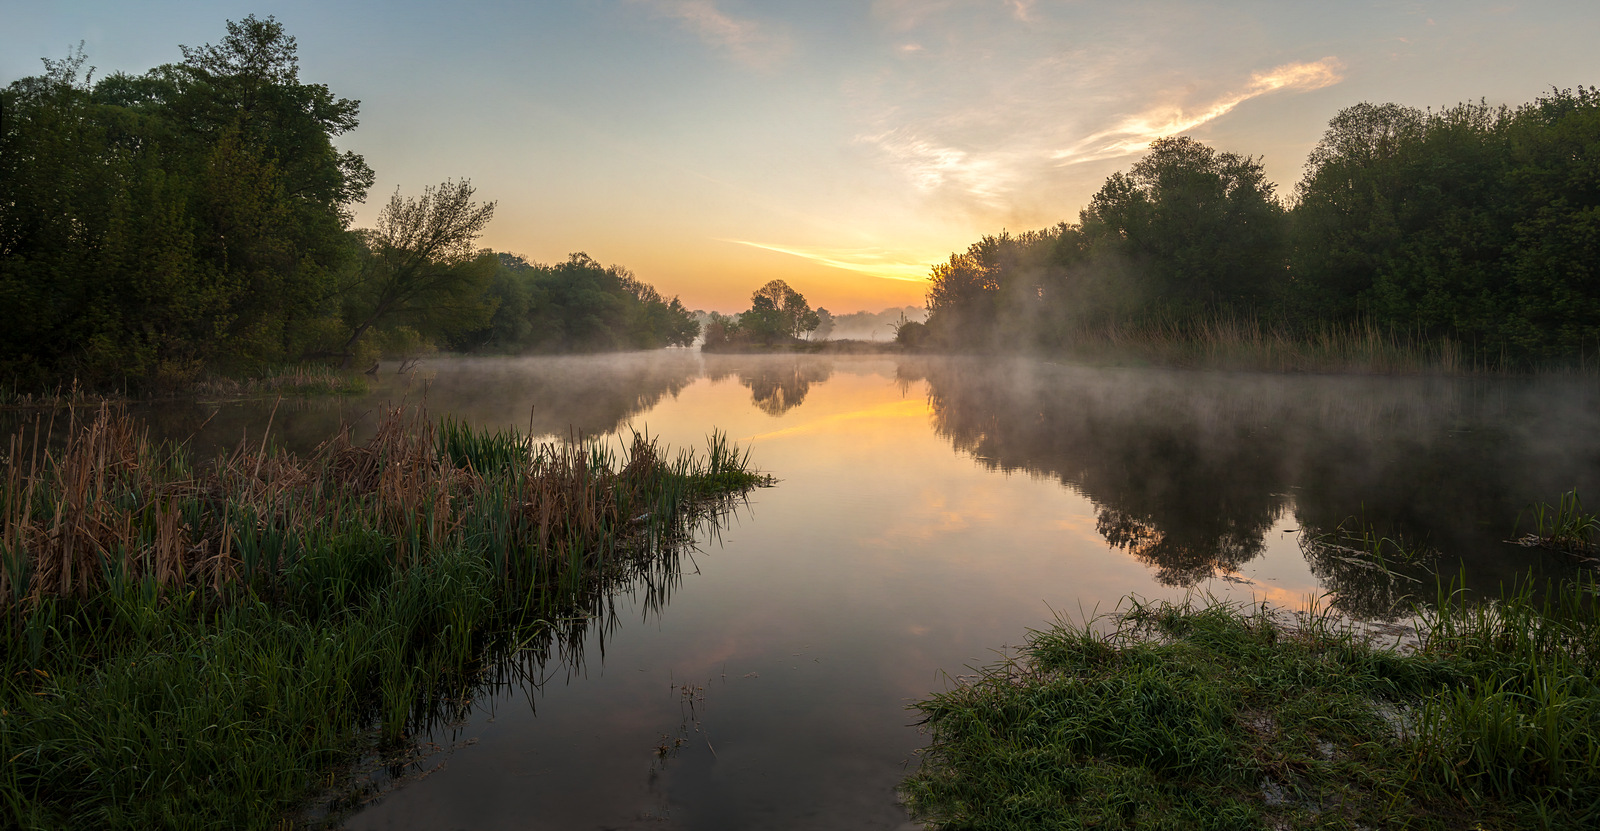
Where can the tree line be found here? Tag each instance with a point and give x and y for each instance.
(1474, 223)
(198, 218)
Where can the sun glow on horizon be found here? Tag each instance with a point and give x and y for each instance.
(877, 262)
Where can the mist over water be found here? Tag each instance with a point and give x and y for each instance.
(929, 510)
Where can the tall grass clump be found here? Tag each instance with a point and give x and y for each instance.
(1565, 526)
(1216, 715)
(1243, 343)
(207, 645)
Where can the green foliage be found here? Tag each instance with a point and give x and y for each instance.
(1474, 222)
(578, 306)
(1205, 227)
(420, 270)
(1473, 225)
(777, 315)
(344, 605)
(1183, 716)
(155, 225)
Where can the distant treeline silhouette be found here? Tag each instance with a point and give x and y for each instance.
(1476, 224)
(197, 219)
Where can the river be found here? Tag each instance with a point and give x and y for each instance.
(927, 512)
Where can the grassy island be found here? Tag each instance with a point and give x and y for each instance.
(211, 645)
(1217, 716)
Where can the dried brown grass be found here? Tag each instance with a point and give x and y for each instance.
(107, 501)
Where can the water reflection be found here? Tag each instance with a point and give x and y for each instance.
(777, 385)
(1188, 471)
(884, 559)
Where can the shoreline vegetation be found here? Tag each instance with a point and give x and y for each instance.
(300, 380)
(1211, 715)
(194, 222)
(196, 645)
(1482, 712)
(1459, 239)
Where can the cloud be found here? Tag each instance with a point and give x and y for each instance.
(1134, 133)
(878, 262)
(746, 40)
(934, 166)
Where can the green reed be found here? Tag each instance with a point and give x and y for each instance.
(210, 646)
(1565, 526)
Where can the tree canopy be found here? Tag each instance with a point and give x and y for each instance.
(1474, 223)
(777, 314)
(197, 218)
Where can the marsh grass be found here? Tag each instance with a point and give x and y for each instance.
(1242, 343)
(1369, 573)
(206, 645)
(1564, 526)
(298, 380)
(1214, 715)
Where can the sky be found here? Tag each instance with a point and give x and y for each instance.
(844, 147)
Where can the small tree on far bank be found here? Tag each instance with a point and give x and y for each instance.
(778, 311)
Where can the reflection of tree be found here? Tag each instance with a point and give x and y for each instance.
(1189, 470)
(1181, 489)
(1181, 556)
(588, 394)
(777, 388)
(1366, 586)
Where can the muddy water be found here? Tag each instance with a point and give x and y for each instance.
(929, 511)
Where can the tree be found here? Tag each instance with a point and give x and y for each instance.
(1344, 223)
(189, 218)
(421, 268)
(824, 324)
(1206, 227)
(578, 306)
(778, 311)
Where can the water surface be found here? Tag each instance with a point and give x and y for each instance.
(928, 512)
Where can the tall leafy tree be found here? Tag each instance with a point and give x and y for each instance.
(1206, 228)
(578, 306)
(422, 268)
(190, 217)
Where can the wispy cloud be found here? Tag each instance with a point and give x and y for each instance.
(933, 166)
(878, 262)
(745, 40)
(1021, 9)
(1134, 133)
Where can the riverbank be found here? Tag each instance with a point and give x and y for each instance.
(1247, 345)
(209, 645)
(301, 380)
(1225, 716)
(810, 347)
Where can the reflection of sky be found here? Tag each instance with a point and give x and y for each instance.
(881, 560)
(711, 145)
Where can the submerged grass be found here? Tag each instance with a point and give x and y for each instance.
(205, 646)
(1223, 716)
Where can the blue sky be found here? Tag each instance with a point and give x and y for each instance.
(711, 145)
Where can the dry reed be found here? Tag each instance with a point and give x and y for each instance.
(107, 504)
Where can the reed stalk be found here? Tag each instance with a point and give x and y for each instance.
(208, 645)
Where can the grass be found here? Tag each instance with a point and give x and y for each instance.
(298, 380)
(1564, 526)
(1232, 343)
(1213, 715)
(209, 646)
(301, 380)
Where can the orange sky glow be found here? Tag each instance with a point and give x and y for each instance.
(712, 145)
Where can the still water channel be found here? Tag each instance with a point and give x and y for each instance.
(929, 511)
